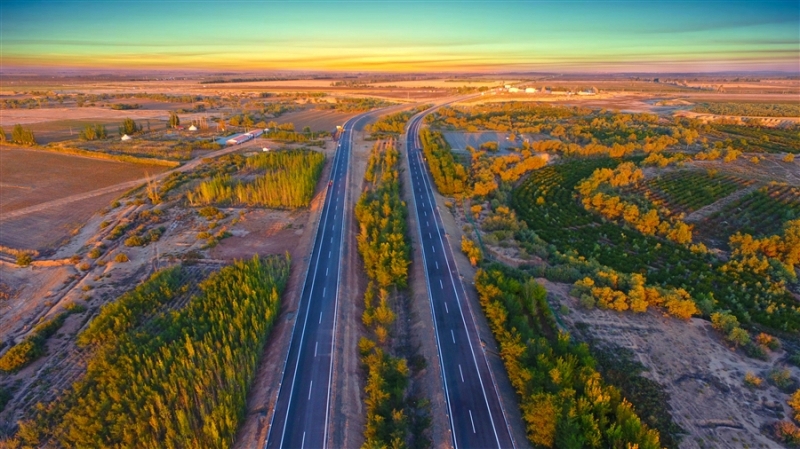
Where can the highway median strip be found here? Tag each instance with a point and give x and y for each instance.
(394, 416)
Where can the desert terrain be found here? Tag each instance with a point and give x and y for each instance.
(64, 210)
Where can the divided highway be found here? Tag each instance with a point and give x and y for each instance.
(301, 412)
(476, 416)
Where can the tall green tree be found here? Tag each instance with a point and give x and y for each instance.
(129, 127)
(94, 132)
(23, 136)
(174, 120)
(3, 138)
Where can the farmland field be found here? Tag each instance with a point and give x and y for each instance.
(32, 177)
(315, 119)
(760, 213)
(560, 221)
(459, 140)
(687, 191)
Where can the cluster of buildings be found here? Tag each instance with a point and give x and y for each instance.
(242, 138)
(546, 90)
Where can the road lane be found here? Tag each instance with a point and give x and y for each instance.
(475, 413)
(301, 412)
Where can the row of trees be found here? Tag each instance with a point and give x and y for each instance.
(19, 135)
(751, 109)
(393, 124)
(286, 179)
(450, 177)
(285, 132)
(385, 250)
(781, 248)
(33, 346)
(581, 130)
(94, 132)
(348, 104)
(486, 169)
(471, 250)
(563, 400)
(381, 215)
(608, 289)
(182, 379)
(133, 308)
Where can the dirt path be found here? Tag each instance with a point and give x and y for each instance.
(704, 212)
(191, 165)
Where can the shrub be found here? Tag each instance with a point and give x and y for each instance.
(751, 380)
(781, 378)
(23, 136)
(471, 250)
(768, 341)
(794, 402)
(24, 258)
(94, 253)
(20, 356)
(787, 432)
(208, 212)
(121, 257)
(134, 240)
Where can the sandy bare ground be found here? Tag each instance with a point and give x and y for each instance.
(317, 120)
(11, 117)
(51, 218)
(449, 83)
(704, 378)
(30, 177)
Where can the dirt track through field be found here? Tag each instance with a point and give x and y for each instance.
(194, 163)
(41, 207)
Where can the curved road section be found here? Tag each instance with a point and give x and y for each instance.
(301, 412)
(476, 415)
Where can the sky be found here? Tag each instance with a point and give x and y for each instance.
(404, 36)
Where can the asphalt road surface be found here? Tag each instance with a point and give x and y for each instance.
(475, 413)
(301, 411)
